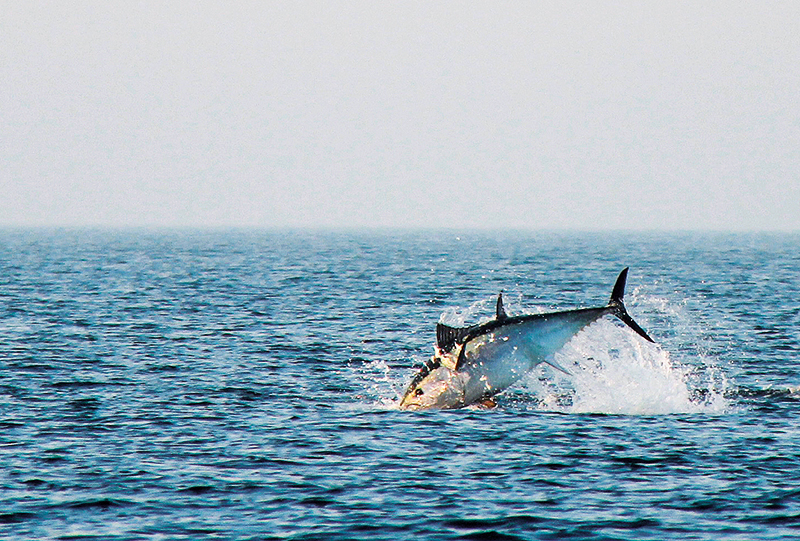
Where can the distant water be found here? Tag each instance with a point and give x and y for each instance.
(243, 385)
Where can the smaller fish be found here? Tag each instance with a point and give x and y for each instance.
(472, 364)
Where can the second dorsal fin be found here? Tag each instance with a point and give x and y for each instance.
(501, 312)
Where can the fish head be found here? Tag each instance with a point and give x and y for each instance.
(436, 386)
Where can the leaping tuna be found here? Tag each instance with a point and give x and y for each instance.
(472, 364)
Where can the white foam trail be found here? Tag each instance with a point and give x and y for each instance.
(616, 372)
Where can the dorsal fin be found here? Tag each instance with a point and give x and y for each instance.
(501, 312)
(447, 337)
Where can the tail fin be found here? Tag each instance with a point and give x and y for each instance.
(619, 308)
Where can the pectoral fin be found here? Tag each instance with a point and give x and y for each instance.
(538, 358)
(557, 366)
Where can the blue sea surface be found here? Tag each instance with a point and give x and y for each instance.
(244, 385)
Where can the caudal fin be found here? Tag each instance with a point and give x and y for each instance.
(619, 308)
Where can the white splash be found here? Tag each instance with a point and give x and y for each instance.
(378, 384)
(616, 372)
(483, 310)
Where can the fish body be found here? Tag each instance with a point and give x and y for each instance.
(472, 364)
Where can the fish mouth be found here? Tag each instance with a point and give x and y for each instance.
(409, 407)
(407, 402)
(405, 406)
(447, 391)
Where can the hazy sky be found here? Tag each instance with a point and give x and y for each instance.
(585, 115)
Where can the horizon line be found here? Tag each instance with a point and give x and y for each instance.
(375, 229)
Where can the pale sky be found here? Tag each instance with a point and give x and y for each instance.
(537, 115)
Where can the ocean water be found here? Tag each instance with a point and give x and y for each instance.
(244, 385)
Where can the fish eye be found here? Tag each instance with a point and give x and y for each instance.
(419, 392)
